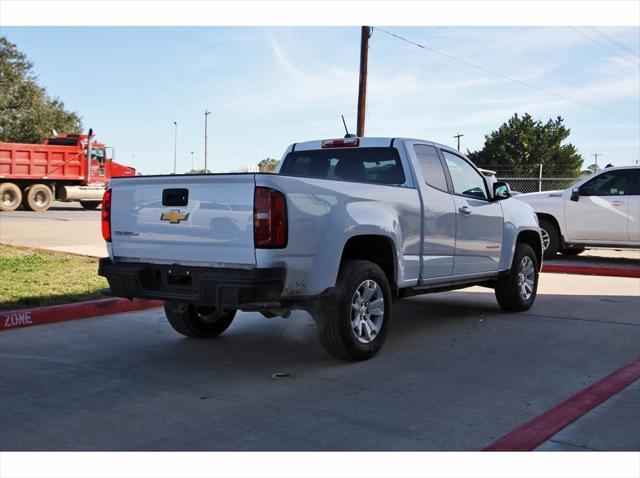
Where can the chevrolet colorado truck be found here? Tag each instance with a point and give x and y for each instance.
(343, 229)
(602, 210)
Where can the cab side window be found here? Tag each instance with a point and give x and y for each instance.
(432, 171)
(610, 183)
(466, 180)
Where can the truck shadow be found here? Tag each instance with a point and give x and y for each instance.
(292, 343)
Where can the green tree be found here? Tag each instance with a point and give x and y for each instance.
(268, 165)
(27, 112)
(522, 144)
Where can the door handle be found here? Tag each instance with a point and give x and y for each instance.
(616, 203)
(464, 210)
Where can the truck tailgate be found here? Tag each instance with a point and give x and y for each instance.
(214, 225)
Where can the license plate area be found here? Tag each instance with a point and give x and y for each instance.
(179, 278)
(175, 278)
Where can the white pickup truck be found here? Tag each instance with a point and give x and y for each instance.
(602, 210)
(343, 229)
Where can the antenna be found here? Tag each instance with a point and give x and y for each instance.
(347, 135)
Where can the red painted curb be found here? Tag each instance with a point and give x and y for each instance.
(15, 319)
(594, 271)
(538, 430)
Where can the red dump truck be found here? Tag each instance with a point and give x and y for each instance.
(66, 167)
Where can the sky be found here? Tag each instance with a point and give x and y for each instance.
(269, 87)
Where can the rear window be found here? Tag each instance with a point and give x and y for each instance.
(371, 165)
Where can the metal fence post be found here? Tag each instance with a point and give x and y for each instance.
(540, 179)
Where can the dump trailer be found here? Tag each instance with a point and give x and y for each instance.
(66, 167)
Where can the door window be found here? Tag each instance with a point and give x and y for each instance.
(432, 171)
(466, 180)
(610, 183)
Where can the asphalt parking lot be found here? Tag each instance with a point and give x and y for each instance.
(64, 227)
(455, 374)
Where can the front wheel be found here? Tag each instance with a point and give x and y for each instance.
(353, 325)
(550, 238)
(196, 321)
(517, 290)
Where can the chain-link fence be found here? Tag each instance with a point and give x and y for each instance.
(531, 185)
(530, 180)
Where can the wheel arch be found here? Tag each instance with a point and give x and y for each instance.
(532, 238)
(551, 218)
(376, 248)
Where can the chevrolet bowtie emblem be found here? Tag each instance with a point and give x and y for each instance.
(174, 216)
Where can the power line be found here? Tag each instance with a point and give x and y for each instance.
(531, 68)
(613, 40)
(500, 75)
(604, 46)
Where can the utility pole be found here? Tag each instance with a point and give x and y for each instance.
(595, 155)
(175, 146)
(191, 160)
(206, 113)
(362, 86)
(458, 136)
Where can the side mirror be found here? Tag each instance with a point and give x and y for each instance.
(501, 190)
(575, 194)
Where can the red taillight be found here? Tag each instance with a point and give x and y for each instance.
(106, 216)
(341, 143)
(269, 218)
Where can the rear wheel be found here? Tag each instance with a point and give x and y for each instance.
(550, 238)
(517, 290)
(37, 198)
(196, 321)
(353, 325)
(10, 197)
(89, 204)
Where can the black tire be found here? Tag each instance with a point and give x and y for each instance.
(334, 316)
(89, 205)
(550, 229)
(573, 251)
(508, 291)
(37, 198)
(10, 197)
(198, 322)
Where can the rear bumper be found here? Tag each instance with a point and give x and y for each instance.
(248, 289)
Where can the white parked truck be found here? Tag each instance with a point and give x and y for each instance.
(344, 228)
(602, 210)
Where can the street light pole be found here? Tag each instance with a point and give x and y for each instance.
(175, 146)
(206, 113)
(192, 161)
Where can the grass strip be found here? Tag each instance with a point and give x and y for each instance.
(32, 278)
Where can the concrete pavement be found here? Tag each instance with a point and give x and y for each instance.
(612, 426)
(455, 374)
